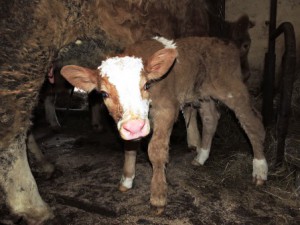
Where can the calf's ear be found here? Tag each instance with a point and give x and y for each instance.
(80, 77)
(241, 27)
(160, 63)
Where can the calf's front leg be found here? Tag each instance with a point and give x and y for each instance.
(127, 178)
(158, 152)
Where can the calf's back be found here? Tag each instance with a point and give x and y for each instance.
(202, 65)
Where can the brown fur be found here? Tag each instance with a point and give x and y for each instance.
(206, 69)
(27, 54)
(216, 64)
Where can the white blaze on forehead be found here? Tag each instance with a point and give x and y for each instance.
(125, 74)
(167, 43)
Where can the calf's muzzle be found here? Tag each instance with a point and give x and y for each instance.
(134, 129)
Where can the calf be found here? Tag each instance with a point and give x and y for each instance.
(238, 33)
(167, 75)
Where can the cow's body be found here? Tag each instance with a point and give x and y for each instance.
(206, 69)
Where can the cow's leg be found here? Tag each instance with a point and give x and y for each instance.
(131, 148)
(209, 116)
(51, 112)
(158, 152)
(43, 164)
(193, 136)
(237, 99)
(16, 179)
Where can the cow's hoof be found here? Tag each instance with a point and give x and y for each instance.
(123, 188)
(57, 220)
(39, 219)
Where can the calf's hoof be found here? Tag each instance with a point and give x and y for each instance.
(126, 183)
(123, 188)
(195, 163)
(157, 211)
(192, 148)
(202, 156)
(260, 171)
(158, 204)
(257, 181)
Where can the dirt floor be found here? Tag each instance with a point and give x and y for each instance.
(83, 190)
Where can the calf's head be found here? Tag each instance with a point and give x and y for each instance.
(123, 80)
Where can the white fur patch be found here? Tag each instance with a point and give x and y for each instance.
(167, 43)
(202, 155)
(127, 181)
(78, 42)
(125, 74)
(260, 169)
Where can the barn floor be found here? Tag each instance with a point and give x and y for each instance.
(83, 191)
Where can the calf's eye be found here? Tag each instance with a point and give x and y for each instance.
(104, 94)
(146, 86)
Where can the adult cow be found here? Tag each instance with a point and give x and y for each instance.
(154, 79)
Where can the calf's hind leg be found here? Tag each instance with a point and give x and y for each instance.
(209, 117)
(237, 99)
(193, 136)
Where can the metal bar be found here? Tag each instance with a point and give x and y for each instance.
(286, 89)
(269, 70)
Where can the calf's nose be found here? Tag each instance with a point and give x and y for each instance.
(134, 126)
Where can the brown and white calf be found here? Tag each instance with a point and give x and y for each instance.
(154, 79)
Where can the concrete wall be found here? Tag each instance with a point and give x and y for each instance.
(259, 12)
